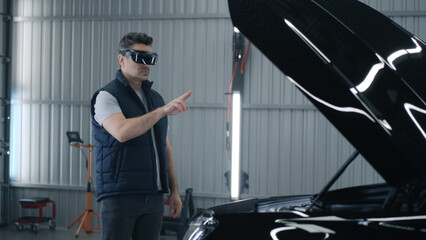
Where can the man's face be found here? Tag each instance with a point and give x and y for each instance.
(130, 69)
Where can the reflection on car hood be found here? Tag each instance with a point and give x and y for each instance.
(272, 204)
(360, 69)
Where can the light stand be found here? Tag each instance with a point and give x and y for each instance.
(85, 216)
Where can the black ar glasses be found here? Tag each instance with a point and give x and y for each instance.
(147, 58)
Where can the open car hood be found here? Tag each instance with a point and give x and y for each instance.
(360, 69)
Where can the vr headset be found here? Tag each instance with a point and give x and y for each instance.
(147, 58)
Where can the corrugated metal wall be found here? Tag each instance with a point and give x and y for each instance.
(65, 50)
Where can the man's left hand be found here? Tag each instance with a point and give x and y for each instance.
(175, 204)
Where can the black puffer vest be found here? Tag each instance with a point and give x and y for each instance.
(129, 167)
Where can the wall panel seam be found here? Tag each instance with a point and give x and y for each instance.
(191, 105)
(414, 13)
(124, 18)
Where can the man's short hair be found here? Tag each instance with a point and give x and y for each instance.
(131, 38)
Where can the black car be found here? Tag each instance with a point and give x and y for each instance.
(367, 75)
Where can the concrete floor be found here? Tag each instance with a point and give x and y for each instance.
(10, 233)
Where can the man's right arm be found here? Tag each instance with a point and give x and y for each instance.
(124, 129)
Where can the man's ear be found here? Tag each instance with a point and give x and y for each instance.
(120, 60)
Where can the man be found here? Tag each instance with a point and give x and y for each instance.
(134, 160)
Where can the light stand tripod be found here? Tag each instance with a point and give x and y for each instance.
(85, 216)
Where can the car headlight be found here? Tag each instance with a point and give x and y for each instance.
(200, 225)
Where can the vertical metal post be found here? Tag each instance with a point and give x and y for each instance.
(5, 96)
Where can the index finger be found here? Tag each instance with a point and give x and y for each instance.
(185, 96)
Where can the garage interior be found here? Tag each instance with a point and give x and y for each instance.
(56, 53)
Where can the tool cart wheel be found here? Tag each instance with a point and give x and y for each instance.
(52, 224)
(35, 228)
(19, 226)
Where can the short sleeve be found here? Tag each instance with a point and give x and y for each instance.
(105, 106)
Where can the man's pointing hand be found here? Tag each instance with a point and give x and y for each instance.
(177, 105)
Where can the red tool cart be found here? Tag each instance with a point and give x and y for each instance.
(36, 203)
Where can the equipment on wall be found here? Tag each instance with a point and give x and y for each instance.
(75, 141)
(233, 140)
